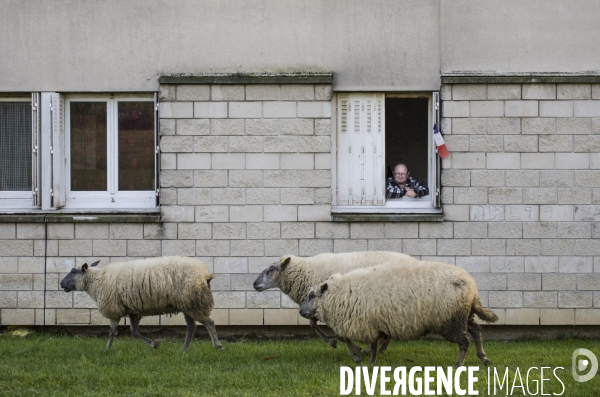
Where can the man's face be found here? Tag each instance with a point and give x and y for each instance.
(401, 174)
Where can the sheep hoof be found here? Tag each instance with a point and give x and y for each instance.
(155, 345)
(486, 361)
(356, 359)
(332, 342)
(221, 348)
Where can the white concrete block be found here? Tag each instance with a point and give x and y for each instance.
(320, 109)
(504, 91)
(556, 213)
(487, 109)
(316, 213)
(521, 109)
(193, 161)
(574, 91)
(262, 161)
(503, 161)
(262, 92)
(228, 161)
(572, 161)
(245, 110)
(279, 110)
(539, 91)
(468, 91)
(587, 108)
(210, 110)
(455, 109)
(537, 161)
(556, 108)
(176, 110)
(468, 160)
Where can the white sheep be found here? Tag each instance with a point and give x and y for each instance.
(295, 276)
(148, 287)
(402, 302)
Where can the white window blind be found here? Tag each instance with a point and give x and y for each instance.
(360, 149)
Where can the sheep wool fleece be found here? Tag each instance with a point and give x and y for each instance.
(301, 274)
(151, 287)
(403, 302)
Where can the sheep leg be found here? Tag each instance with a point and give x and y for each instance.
(191, 329)
(460, 338)
(112, 333)
(384, 344)
(209, 324)
(374, 351)
(474, 330)
(330, 341)
(354, 351)
(135, 323)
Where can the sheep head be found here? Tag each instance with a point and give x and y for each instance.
(309, 307)
(74, 280)
(269, 278)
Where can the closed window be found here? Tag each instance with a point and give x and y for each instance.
(374, 133)
(110, 152)
(16, 148)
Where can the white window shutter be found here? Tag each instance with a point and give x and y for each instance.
(360, 149)
(436, 162)
(157, 149)
(58, 151)
(374, 149)
(35, 148)
(344, 151)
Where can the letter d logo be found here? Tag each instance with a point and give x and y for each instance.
(583, 364)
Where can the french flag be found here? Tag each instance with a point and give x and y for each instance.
(439, 142)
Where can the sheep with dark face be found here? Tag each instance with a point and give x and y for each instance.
(402, 302)
(148, 287)
(295, 276)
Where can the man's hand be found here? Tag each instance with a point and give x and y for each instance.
(410, 193)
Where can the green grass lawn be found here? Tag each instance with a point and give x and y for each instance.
(48, 365)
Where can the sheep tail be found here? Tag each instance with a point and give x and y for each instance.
(209, 277)
(483, 313)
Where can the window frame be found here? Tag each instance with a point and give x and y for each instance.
(112, 198)
(24, 199)
(428, 205)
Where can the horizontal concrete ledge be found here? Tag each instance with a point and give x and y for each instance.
(338, 217)
(261, 332)
(520, 78)
(249, 78)
(81, 218)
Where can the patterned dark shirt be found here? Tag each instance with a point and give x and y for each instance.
(392, 190)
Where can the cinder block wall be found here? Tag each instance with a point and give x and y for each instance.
(246, 177)
(521, 194)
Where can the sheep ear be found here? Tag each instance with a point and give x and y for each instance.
(285, 262)
(84, 268)
(95, 264)
(323, 287)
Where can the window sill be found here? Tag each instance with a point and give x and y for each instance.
(97, 216)
(389, 217)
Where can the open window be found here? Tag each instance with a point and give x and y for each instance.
(374, 133)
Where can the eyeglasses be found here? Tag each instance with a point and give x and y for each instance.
(401, 173)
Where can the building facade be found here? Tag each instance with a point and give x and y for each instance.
(275, 127)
